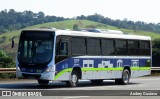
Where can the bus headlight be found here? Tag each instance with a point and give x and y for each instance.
(48, 69)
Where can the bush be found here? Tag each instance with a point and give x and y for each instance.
(6, 62)
(76, 27)
(7, 75)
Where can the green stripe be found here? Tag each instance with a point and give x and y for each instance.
(99, 69)
(134, 68)
(62, 72)
(145, 68)
(140, 68)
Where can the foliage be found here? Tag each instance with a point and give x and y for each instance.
(12, 20)
(7, 75)
(6, 61)
(75, 27)
(125, 24)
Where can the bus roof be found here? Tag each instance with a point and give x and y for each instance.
(102, 35)
(107, 34)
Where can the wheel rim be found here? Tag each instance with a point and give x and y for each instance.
(74, 79)
(125, 77)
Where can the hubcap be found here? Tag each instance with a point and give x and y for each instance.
(125, 77)
(74, 79)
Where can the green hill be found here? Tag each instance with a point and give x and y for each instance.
(5, 39)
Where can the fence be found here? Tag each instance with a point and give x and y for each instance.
(7, 70)
(155, 68)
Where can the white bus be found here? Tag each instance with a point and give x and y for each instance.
(68, 56)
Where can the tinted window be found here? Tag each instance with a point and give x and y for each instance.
(78, 46)
(108, 47)
(93, 46)
(121, 47)
(133, 47)
(145, 48)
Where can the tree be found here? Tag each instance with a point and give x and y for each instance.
(40, 14)
(13, 20)
(126, 24)
(76, 27)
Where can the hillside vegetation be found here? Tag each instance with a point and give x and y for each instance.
(11, 20)
(5, 39)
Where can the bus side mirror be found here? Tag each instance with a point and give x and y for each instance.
(13, 42)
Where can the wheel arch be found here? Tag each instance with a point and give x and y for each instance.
(128, 68)
(78, 71)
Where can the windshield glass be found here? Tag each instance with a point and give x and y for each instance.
(35, 47)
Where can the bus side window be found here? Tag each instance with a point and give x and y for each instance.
(63, 48)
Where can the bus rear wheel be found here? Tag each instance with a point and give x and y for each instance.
(73, 82)
(125, 78)
(43, 82)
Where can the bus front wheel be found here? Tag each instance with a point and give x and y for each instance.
(125, 78)
(73, 82)
(43, 82)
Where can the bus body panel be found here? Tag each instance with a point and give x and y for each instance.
(95, 68)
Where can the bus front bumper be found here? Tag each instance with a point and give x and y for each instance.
(41, 76)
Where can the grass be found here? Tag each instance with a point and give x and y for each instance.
(68, 24)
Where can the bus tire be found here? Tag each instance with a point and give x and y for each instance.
(125, 78)
(73, 82)
(43, 82)
(97, 82)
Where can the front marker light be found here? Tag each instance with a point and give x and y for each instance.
(48, 69)
(18, 68)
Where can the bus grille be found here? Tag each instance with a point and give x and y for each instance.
(36, 76)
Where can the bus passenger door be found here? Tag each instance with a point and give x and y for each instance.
(62, 56)
(62, 48)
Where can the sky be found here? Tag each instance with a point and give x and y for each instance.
(135, 10)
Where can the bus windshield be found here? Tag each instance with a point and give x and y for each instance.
(35, 47)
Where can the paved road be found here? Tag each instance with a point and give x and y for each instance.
(141, 83)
